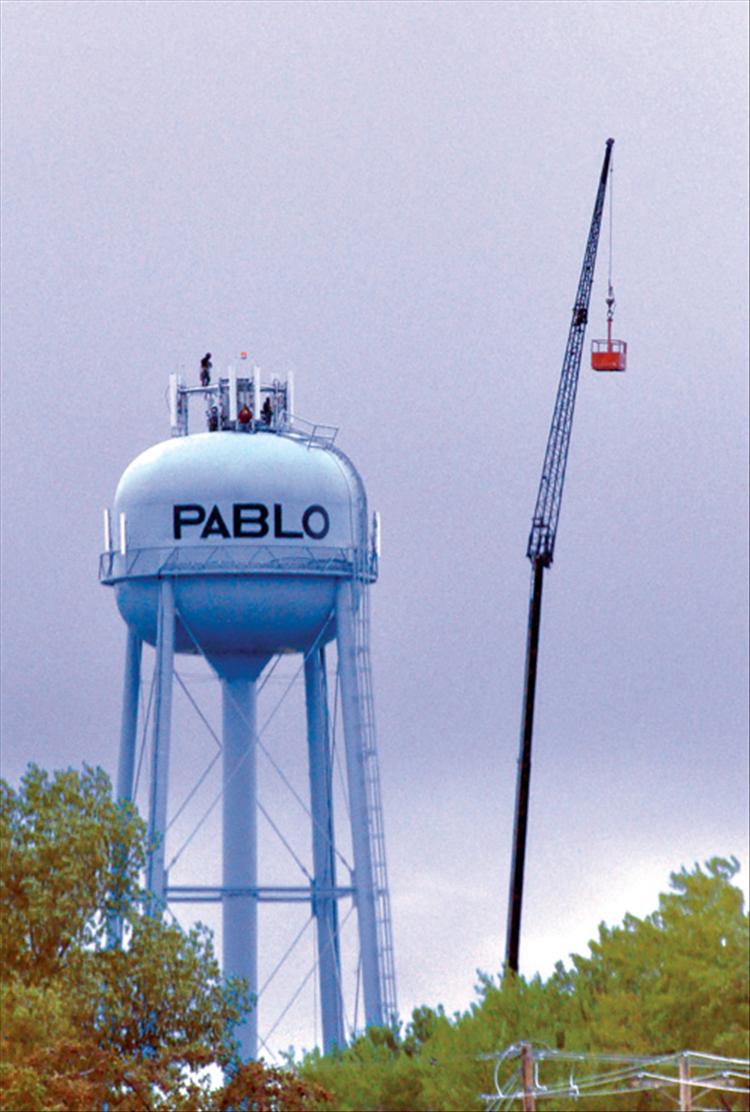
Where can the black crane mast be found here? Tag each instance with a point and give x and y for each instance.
(541, 548)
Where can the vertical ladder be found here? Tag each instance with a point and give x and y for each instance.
(374, 799)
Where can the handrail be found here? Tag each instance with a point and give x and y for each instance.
(312, 431)
(231, 559)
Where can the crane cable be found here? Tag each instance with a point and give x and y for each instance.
(610, 291)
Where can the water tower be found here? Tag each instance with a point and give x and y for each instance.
(245, 540)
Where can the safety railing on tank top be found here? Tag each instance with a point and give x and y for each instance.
(311, 432)
(224, 558)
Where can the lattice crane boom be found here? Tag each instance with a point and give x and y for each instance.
(547, 511)
(541, 549)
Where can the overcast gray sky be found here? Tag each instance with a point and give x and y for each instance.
(392, 199)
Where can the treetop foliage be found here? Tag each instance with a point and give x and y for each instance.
(136, 1026)
(60, 839)
(674, 980)
(88, 1023)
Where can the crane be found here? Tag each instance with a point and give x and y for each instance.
(541, 548)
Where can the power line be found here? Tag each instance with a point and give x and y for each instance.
(694, 1075)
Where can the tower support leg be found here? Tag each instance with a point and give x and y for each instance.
(156, 877)
(360, 819)
(240, 846)
(126, 762)
(129, 722)
(324, 904)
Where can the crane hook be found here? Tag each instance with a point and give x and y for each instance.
(610, 305)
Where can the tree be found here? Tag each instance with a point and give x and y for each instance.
(84, 1023)
(59, 840)
(676, 980)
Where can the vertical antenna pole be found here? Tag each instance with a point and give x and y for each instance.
(156, 877)
(240, 845)
(523, 780)
(289, 397)
(324, 903)
(174, 409)
(256, 393)
(355, 768)
(232, 376)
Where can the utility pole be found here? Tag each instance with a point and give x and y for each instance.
(527, 1077)
(686, 1095)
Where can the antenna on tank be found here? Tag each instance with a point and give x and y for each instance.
(233, 408)
(175, 381)
(256, 392)
(376, 533)
(238, 402)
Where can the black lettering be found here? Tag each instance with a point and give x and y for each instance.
(316, 534)
(189, 514)
(250, 526)
(278, 528)
(249, 519)
(215, 524)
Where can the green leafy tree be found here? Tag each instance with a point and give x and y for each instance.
(60, 838)
(135, 1027)
(675, 980)
(84, 1023)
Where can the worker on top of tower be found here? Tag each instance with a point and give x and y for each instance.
(267, 411)
(206, 366)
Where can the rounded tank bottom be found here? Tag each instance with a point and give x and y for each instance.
(251, 616)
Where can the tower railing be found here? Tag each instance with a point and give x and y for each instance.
(225, 558)
(311, 432)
